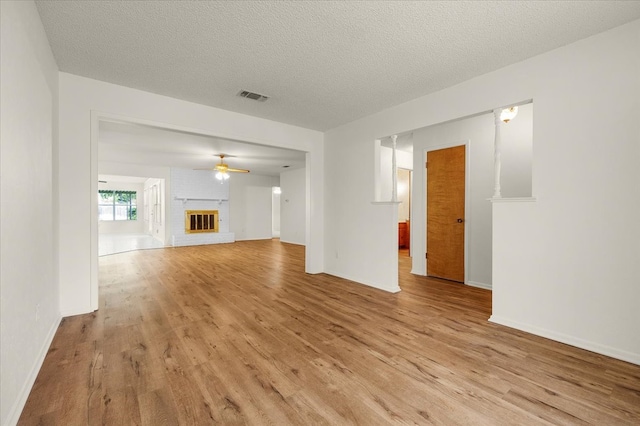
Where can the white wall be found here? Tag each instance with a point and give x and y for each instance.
(250, 209)
(124, 226)
(29, 311)
(203, 188)
(517, 154)
(292, 207)
(81, 99)
(403, 160)
(565, 266)
(275, 212)
(404, 195)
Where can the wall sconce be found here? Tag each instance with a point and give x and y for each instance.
(509, 114)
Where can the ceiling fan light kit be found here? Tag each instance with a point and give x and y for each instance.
(222, 170)
(222, 176)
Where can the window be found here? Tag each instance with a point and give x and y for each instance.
(117, 205)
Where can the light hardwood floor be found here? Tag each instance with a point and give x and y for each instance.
(239, 334)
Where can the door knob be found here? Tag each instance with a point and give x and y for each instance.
(460, 220)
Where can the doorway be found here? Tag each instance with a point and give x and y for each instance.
(123, 215)
(404, 211)
(275, 212)
(446, 195)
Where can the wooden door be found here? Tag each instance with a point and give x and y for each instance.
(445, 213)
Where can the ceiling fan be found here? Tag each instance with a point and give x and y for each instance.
(222, 169)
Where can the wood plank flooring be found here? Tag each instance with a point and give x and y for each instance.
(239, 334)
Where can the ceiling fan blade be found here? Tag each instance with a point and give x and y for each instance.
(237, 170)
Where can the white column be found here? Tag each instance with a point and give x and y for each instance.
(497, 148)
(394, 167)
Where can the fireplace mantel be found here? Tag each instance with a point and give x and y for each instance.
(185, 199)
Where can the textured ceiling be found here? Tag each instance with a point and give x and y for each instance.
(323, 63)
(134, 144)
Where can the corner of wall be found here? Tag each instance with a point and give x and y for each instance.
(23, 394)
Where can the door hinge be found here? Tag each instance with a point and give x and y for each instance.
(426, 164)
(426, 255)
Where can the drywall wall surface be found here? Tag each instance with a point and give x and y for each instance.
(403, 160)
(516, 155)
(576, 250)
(29, 310)
(585, 179)
(83, 102)
(361, 238)
(314, 209)
(275, 213)
(404, 195)
(386, 174)
(124, 226)
(250, 208)
(292, 207)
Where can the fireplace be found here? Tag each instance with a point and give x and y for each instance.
(200, 221)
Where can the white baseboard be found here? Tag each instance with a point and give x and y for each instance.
(18, 405)
(570, 340)
(356, 280)
(479, 285)
(292, 242)
(73, 312)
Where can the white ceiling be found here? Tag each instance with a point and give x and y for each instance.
(323, 63)
(135, 144)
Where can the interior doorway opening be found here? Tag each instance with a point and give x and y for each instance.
(130, 213)
(174, 155)
(478, 133)
(275, 211)
(404, 211)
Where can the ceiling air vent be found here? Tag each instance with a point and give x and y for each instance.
(254, 96)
